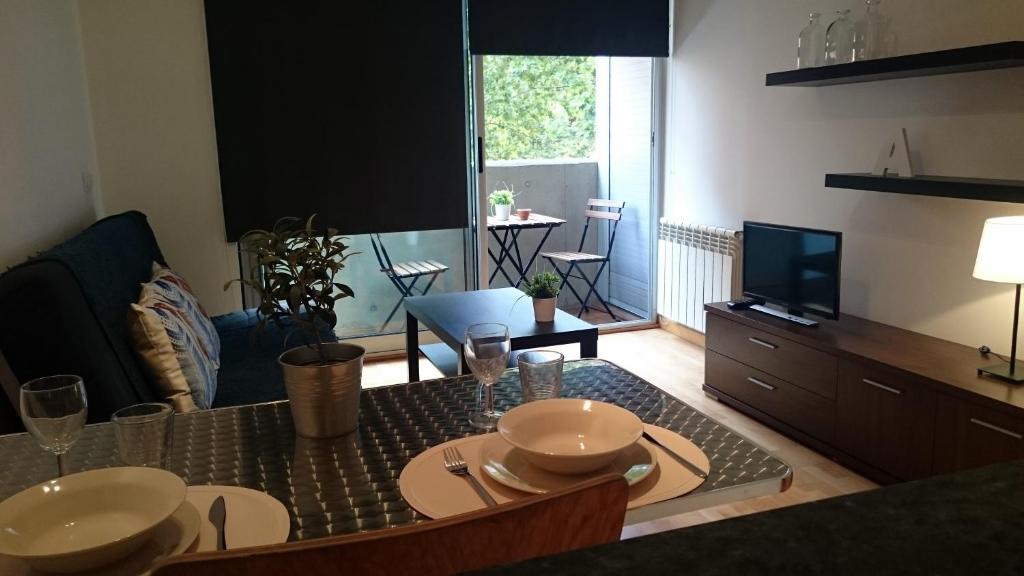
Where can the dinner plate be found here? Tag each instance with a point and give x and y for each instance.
(434, 492)
(254, 518)
(506, 464)
(173, 536)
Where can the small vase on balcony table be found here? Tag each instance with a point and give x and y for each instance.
(502, 211)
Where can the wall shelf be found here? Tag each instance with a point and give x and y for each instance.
(943, 186)
(970, 59)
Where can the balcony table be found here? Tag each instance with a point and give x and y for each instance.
(350, 484)
(508, 243)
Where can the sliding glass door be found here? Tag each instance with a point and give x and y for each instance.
(558, 132)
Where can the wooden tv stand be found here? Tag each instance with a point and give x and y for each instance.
(889, 403)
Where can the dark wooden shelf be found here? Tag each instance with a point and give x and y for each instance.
(943, 186)
(970, 59)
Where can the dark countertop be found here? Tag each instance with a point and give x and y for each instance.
(965, 523)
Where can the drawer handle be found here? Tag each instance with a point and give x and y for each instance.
(881, 386)
(999, 429)
(760, 342)
(764, 385)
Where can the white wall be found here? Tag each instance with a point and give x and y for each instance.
(149, 82)
(46, 152)
(738, 150)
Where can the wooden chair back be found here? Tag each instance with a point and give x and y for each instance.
(584, 516)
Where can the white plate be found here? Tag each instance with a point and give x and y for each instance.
(435, 493)
(253, 518)
(171, 537)
(506, 464)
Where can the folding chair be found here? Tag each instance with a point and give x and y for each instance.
(404, 275)
(574, 259)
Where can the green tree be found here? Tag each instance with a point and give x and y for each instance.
(539, 107)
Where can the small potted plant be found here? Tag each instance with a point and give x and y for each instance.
(296, 280)
(543, 288)
(501, 201)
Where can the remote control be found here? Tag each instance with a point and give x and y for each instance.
(743, 304)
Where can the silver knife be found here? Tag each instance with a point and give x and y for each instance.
(218, 516)
(686, 463)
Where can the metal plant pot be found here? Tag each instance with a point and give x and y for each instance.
(324, 398)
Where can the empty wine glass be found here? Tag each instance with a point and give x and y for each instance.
(53, 409)
(487, 350)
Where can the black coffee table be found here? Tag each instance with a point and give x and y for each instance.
(448, 316)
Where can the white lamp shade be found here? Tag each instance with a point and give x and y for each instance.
(1001, 251)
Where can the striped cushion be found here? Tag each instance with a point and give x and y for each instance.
(176, 341)
(171, 288)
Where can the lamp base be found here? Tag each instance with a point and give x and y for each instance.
(1002, 372)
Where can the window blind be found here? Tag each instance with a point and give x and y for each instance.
(354, 111)
(570, 27)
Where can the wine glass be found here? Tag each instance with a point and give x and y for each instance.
(53, 409)
(487, 350)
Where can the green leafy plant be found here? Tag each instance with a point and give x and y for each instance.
(296, 277)
(502, 197)
(543, 285)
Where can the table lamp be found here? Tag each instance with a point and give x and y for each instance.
(1001, 259)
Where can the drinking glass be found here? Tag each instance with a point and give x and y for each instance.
(145, 434)
(53, 409)
(487, 350)
(540, 372)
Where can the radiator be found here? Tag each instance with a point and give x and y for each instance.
(697, 264)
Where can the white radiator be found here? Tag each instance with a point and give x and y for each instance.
(697, 264)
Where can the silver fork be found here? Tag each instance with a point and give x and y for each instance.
(456, 464)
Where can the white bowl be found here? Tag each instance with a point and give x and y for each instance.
(87, 520)
(570, 435)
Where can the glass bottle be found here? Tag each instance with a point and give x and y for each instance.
(810, 44)
(839, 39)
(872, 37)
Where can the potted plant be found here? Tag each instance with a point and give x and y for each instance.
(296, 280)
(501, 201)
(543, 288)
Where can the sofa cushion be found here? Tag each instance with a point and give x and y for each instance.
(164, 332)
(171, 288)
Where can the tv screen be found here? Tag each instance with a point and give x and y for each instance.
(793, 267)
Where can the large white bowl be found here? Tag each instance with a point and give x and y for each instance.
(87, 520)
(570, 435)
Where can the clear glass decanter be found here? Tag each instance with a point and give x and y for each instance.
(839, 39)
(873, 36)
(810, 44)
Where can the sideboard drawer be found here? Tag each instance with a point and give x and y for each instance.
(795, 363)
(968, 435)
(790, 404)
(886, 419)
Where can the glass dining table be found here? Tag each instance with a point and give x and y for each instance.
(350, 484)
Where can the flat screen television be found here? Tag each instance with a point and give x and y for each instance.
(797, 268)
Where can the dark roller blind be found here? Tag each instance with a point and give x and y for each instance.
(570, 27)
(353, 110)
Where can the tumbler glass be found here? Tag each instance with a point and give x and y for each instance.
(145, 434)
(540, 372)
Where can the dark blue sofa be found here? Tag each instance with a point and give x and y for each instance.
(65, 312)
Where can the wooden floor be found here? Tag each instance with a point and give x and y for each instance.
(677, 367)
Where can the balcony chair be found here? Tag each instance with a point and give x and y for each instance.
(596, 210)
(404, 275)
(586, 515)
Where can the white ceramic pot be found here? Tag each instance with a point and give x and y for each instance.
(502, 211)
(544, 309)
(324, 398)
